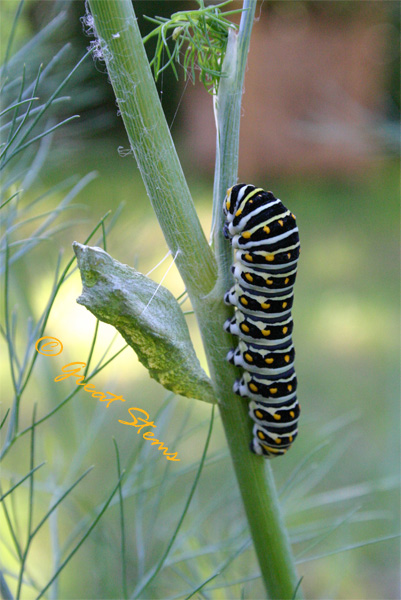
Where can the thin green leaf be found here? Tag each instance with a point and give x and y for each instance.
(16, 105)
(21, 481)
(122, 525)
(92, 348)
(10, 198)
(297, 588)
(4, 418)
(57, 58)
(56, 93)
(13, 423)
(326, 534)
(4, 589)
(13, 136)
(59, 501)
(11, 529)
(11, 38)
(16, 111)
(155, 570)
(350, 547)
(73, 192)
(38, 137)
(11, 437)
(30, 505)
(220, 569)
(32, 463)
(37, 40)
(36, 109)
(292, 478)
(71, 554)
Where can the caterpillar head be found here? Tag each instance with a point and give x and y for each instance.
(233, 198)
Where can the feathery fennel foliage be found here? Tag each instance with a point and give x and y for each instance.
(26, 136)
(200, 40)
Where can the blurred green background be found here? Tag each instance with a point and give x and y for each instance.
(346, 317)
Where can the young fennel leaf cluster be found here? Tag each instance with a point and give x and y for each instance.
(200, 42)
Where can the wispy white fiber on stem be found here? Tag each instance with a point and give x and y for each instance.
(158, 264)
(162, 279)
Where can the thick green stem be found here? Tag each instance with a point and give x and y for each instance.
(151, 142)
(123, 51)
(255, 478)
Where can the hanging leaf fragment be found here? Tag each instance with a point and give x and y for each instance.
(148, 317)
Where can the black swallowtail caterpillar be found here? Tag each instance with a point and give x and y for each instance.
(265, 239)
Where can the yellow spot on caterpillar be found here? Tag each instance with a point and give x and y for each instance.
(277, 417)
(248, 257)
(248, 277)
(290, 438)
(289, 388)
(293, 216)
(258, 414)
(285, 329)
(273, 450)
(237, 214)
(287, 358)
(269, 281)
(289, 255)
(269, 361)
(266, 229)
(284, 304)
(265, 332)
(253, 387)
(286, 280)
(273, 390)
(243, 300)
(292, 414)
(269, 257)
(261, 435)
(246, 235)
(281, 222)
(248, 357)
(244, 327)
(278, 440)
(265, 306)
(228, 204)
